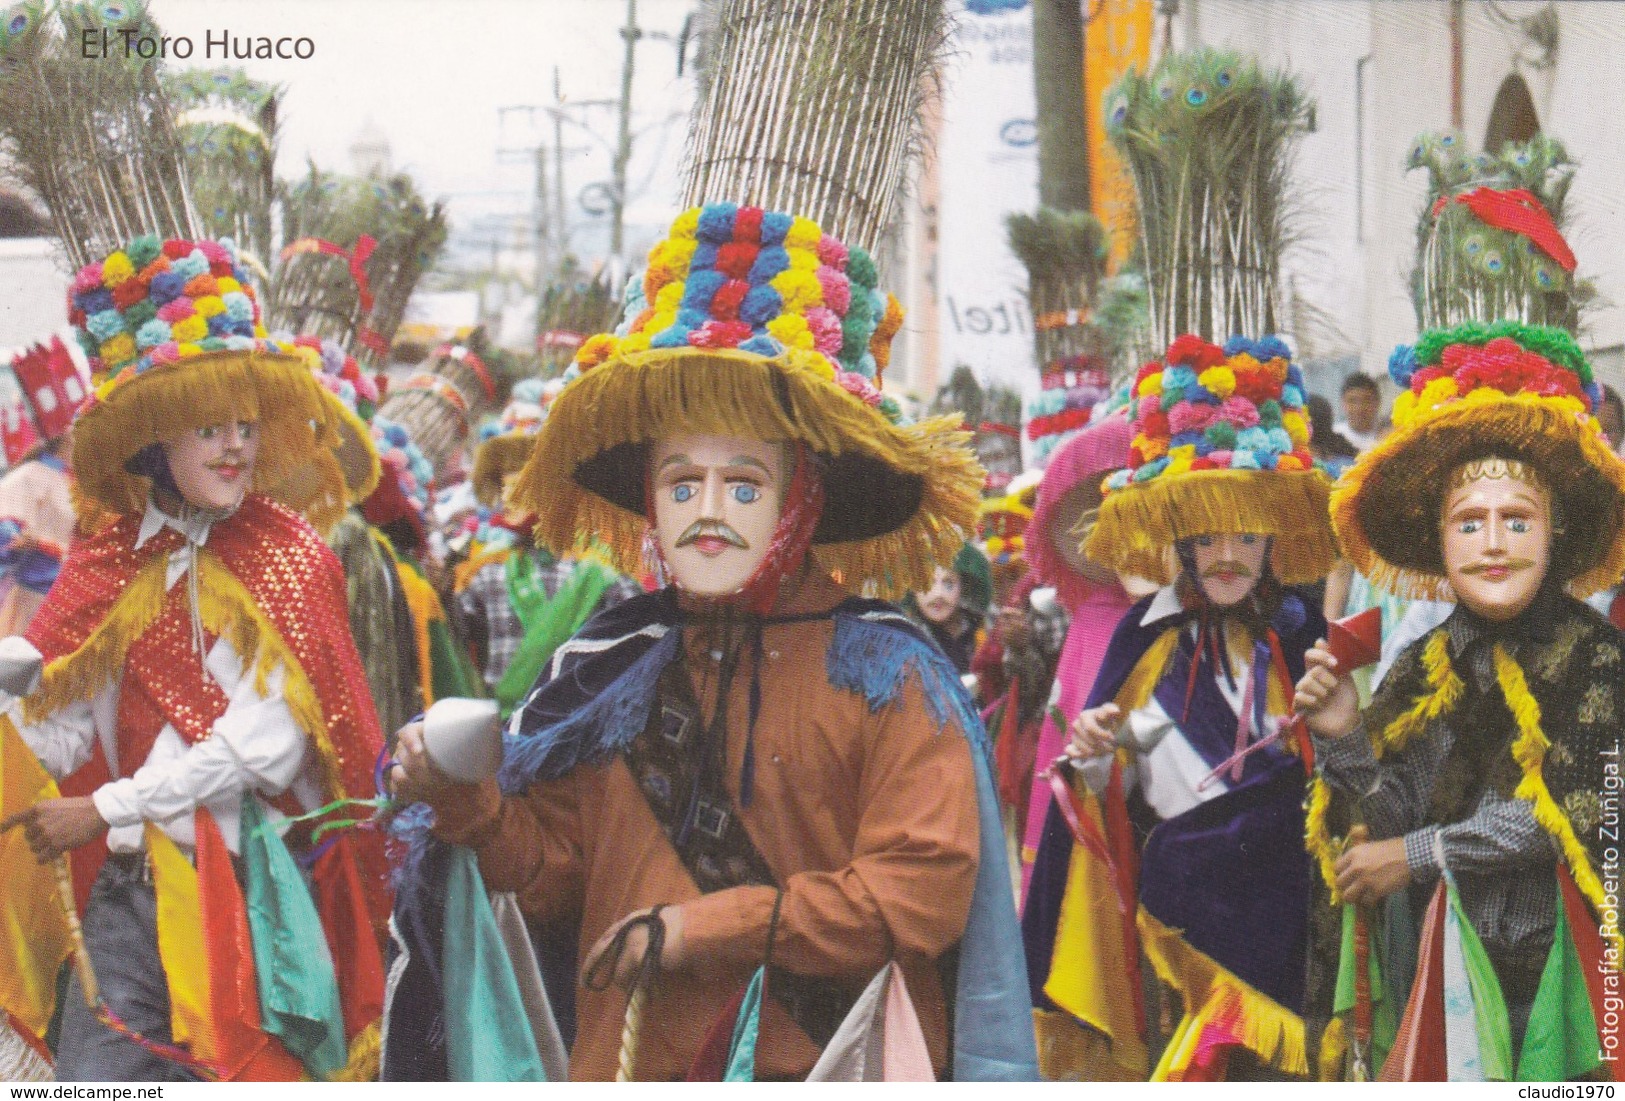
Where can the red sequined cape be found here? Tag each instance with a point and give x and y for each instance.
(297, 583)
(292, 577)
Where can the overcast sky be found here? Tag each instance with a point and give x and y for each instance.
(432, 74)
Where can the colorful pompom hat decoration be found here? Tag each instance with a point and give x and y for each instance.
(1001, 525)
(753, 322)
(1516, 391)
(404, 477)
(1064, 406)
(173, 334)
(315, 489)
(508, 447)
(1220, 446)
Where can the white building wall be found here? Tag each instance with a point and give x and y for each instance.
(34, 282)
(1358, 244)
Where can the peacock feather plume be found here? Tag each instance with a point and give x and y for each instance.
(1208, 139)
(227, 125)
(1467, 269)
(93, 139)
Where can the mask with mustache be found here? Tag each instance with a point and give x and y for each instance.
(714, 529)
(1234, 568)
(1510, 564)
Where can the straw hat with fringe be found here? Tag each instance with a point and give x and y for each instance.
(758, 324)
(173, 333)
(1510, 390)
(318, 490)
(1221, 446)
(506, 449)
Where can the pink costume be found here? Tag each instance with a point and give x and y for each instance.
(1095, 608)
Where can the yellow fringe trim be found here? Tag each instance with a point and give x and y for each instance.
(1141, 521)
(463, 576)
(356, 453)
(425, 608)
(227, 611)
(1530, 752)
(296, 417)
(1402, 479)
(1316, 837)
(1267, 1029)
(643, 396)
(1334, 1050)
(494, 460)
(1447, 689)
(366, 1057)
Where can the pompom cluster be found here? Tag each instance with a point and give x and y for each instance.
(1508, 356)
(156, 302)
(1001, 526)
(763, 282)
(402, 460)
(526, 410)
(1064, 406)
(1240, 407)
(340, 374)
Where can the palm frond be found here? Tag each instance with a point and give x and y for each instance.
(316, 294)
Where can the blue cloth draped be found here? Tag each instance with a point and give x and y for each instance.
(31, 567)
(1233, 876)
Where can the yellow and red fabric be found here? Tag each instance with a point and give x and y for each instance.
(34, 937)
(267, 582)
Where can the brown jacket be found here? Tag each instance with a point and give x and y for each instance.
(868, 820)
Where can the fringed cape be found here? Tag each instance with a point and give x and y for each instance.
(268, 583)
(596, 699)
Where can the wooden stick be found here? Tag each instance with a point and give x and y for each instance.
(1361, 1047)
(81, 953)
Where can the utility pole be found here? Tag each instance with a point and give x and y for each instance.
(558, 168)
(542, 258)
(623, 146)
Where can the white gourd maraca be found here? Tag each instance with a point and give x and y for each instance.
(463, 737)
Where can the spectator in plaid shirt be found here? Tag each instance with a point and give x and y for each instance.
(510, 588)
(488, 616)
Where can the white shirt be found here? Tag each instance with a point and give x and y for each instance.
(1363, 441)
(255, 745)
(1166, 767)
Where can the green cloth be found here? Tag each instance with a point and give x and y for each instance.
(747, 1027)
(451, 669)
(547, 623)
(488, 1037)
(1561, 1041)
(299, 991)
(380, 620)
(1384, 1017)
(1489, 1004)
(975, 580)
